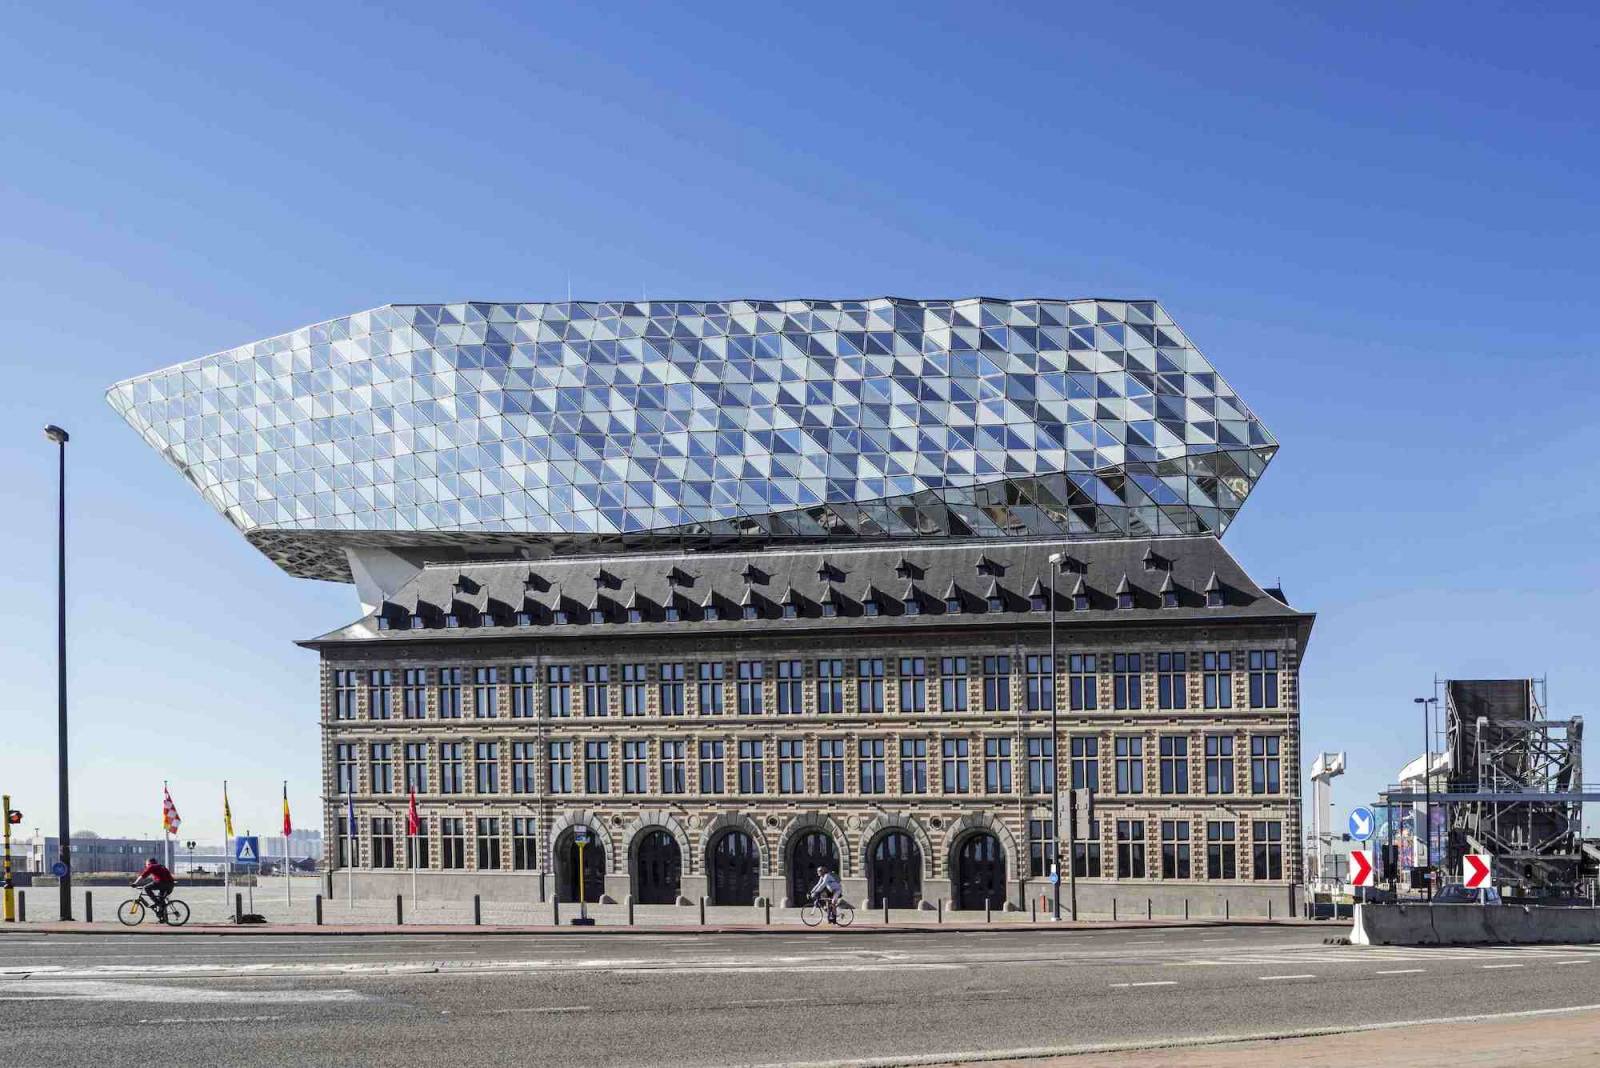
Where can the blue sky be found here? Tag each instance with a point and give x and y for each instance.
(1379, 222)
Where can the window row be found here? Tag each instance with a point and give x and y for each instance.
(1175, 849)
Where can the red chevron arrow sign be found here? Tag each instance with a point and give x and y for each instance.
(1360, 868)
(1475, 868)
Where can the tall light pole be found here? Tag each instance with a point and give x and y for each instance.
(1427, 785)
(60, 437)
(1055, 743)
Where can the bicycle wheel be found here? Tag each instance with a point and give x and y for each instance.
(845, 915)
(131, 912)
(811, 915)
(177, 913)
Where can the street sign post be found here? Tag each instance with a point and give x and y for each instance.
(1361, 824)
(1361, 869)
(580, 838)
(1476, 869)
(247, 850)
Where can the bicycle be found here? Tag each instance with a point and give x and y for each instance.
(173, 913)
(839, 913)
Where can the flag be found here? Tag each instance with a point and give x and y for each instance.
(169, 812)
(288, 826)
(413, 825)
(350, 807)
(227, 814)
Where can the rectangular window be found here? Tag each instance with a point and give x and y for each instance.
(558, 691)
(344, 767)
(524, 757)
(1083, 682)
(486, 763)
(997, 684)
(913, 684)
(452, 773)
(1172, 680)
(1086, 855)
(791, 680)
(1263, 678)
(453, 839)
(1129, 763)
(560, 754)
(1127, 680)
(830, 686)
(712, 767)
(1085, 762)
(791, 766)
(488, 843)
(382, 841)
(1222, 861)
(523, 680)
(952, 684)
(1219, 764)
(913, 765)
(674, 776)
(1041, 765)
(1174, 763)
(414, 693)
(830, 766)
(1041, 689)
(869, 685)
(380, 684)
(873, 766)
(416, 757)
(417, 846)
(1217, 676)
(1175, 861)
(597, 689)
(485, 692)
(997, 765)
(1130, 849)
(1265, 764)
(671, 686)
(635, 767)
(635, 700)
(752, 766)
(344, 695)
(957, 768)
(597, 767)
(710, 691)
(1041, 847)
(1266, 845)
(449, 693)
(524, 844)
(750, 676)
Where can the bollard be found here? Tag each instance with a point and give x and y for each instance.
(477, 910)
(1033, 911)
(1269, 908)
(886, 912)
(88, 906)
(630, 910)
(767, 904)
(399, 911)
(988, 915)
(1149, 909)
(702, 910)
(319, 910)
(555, 910)
(1227, 909)
(238, 908)
(1113, 908)
(941, 910)
(22, 906)
(1186, 908)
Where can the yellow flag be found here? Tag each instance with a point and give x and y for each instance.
(227, 814)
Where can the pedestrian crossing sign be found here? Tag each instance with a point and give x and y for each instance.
(247, 850)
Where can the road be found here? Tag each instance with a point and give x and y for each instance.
(727, 999)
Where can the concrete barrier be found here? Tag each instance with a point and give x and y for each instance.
(1461, 925)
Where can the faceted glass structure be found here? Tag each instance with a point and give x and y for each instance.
(448, 430)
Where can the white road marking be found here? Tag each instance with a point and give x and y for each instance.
(1157, 982)
(1572, 962)
(1401, 971)
(1267, 977)
(161, 992)
(1500, 965)
(207, 1020)
(552, 1008)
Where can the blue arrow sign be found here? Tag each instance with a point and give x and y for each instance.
(1361, 824)
(59, 870)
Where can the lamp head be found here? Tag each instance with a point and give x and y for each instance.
(56, 434)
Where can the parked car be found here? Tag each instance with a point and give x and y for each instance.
(1456, 894)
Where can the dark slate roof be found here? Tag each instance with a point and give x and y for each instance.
(653, 580)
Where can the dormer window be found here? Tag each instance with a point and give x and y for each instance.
(751, 612)
(1213, 598)
(524, 619)
(635, 616)
(597, 615)
(1036, 602)
(790, 610)
(1080, 602)
(452, 621)
(384, 623)
(912, 606)
(1169, 599)
(829, 609)
(559, 617)
(905, 569)
(952, 606)
(870, 607)
(417, 622)
(711, 613)
(672, 613)
(1125, 599)
(486, 619)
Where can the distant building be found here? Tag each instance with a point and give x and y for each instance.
(92, 855)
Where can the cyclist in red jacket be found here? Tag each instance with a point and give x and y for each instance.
(160, 882)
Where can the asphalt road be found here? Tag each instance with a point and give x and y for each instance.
(730, 999)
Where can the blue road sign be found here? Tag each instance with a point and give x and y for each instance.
(581, 836)
(247, 850)
(1055, 877)
(59, 870)
(1361, 824)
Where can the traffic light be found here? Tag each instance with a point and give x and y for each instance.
(13, 816)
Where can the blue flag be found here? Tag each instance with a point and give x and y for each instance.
(351, 803)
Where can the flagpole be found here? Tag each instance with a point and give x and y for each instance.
(227, 845)
(288, 875)
(350, 852)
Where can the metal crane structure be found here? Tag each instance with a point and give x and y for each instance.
(1323, 865)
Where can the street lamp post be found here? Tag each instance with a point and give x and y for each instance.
(1427, 786)
(60, 437)
(1055, 745)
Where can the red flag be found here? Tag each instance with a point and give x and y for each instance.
(413, 825)
(169, 812)
(288, 827)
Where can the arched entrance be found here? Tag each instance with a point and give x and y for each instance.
(811, 850)
(594, 869)
(894, 871)
(735, 868)
(660, 869)
(980, 872)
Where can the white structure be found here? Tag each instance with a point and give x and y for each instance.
(1324, 865)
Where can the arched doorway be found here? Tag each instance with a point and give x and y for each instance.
(594, 869)
(735, 869)
(660, 869)
(811, 850)
(980, 872)
(894, 871)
